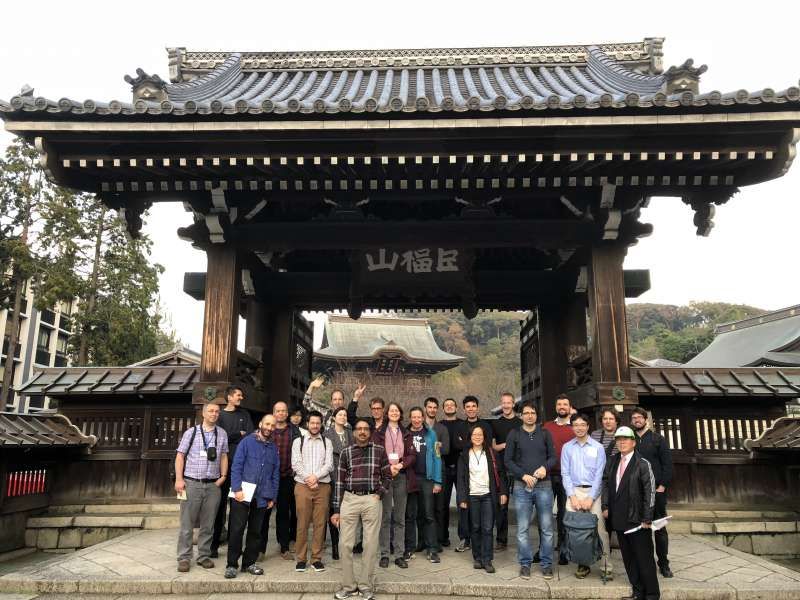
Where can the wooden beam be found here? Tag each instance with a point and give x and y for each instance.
(220, 324)
(476, 233)
(610, 359)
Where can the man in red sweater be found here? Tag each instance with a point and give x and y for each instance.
(561, 432)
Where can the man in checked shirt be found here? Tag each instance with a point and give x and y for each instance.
(364, 477)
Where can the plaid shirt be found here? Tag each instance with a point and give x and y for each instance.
(362, 469)
(283, 440)
(197, 465)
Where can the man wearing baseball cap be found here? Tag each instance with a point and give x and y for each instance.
(628, 502)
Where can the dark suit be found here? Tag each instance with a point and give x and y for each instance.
(629, 506)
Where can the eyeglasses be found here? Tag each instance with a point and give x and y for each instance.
(528, 413)
(362, 428)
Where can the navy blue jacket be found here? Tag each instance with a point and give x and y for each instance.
(256, 462)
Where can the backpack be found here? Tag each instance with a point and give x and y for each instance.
(324, 442)
(581, 541)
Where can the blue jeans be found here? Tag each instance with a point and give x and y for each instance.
(481, 515)
(525, 500)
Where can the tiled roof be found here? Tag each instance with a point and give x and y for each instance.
(769, 339)
(500, 79)
(367, 338)
(783, 435)
(111, 380)
(742, 382)
(38, 430)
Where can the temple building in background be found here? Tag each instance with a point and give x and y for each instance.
(395, 357)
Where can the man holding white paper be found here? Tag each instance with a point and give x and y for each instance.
(255, 476)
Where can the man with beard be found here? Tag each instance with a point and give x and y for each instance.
(283, 437)
(501, 427)
(654, 448)
(256, 462)
(449, 475)
(561, 431)
(364, 477)
(237, 423)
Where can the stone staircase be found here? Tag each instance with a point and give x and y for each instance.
(68, 527)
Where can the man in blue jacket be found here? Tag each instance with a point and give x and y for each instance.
(256, 462)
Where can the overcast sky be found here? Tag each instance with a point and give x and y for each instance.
(83, 50)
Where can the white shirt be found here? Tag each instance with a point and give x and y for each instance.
(478, 473)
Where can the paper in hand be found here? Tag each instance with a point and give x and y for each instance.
(655, 525)
(248, 488)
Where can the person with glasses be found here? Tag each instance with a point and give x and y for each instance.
(363, 478)
(529, 458)
(582, 463)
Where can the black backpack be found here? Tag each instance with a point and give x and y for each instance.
(581, 541)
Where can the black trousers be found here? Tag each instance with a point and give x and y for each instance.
(481, 515)
(285, 516)
(334, 530)
(443, 519)
(219, 521)
(661, 536)
(637, 555)
(244, 515)
(419, 505)
(561, 503)
(501, 510)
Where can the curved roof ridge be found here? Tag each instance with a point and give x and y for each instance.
(603, 68)
(210, 84)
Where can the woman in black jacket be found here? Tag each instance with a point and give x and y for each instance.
(478, 488)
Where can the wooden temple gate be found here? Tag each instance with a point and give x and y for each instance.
(496, 178)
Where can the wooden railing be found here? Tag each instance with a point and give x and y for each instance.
(27, 482)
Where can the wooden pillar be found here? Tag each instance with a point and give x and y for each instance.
(220, 325)
(610, 360)
(562, 337)
(280, 386)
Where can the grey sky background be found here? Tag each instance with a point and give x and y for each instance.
(83, 50)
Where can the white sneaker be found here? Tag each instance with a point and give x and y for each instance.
(343, 594)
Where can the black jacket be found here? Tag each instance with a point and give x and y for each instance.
(497, 483)
(654, 448)
(631, 504)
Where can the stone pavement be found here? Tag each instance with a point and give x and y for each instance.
(142, 565)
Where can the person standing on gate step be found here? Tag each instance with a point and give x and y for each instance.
(628, 502)
(471, 406)
(501, 427)
(312, 463)
(377, 409)
(337, 402)
(609, 423)
(654, 448)
(424, 484)
(431, 406)
(481, 488)
(340, 437)
(285, 509)
(449, 474)
(256, 463)
(583, 461)
(201, 467)
(363, 478)
(561, 431)
(530, 458)
(396, 441)
(237, 423)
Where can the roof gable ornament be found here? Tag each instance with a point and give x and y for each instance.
(147, 87)
(684, 78)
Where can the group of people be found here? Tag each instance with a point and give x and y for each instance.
(382, 486)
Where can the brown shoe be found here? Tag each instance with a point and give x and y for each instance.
(206, 563)
(183, 566)
(287, 555)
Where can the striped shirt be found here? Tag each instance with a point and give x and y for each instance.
(362, 469)
(312, 456)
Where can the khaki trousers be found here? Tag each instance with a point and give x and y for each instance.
(596, 510)
(312, 508)
(368, 510)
